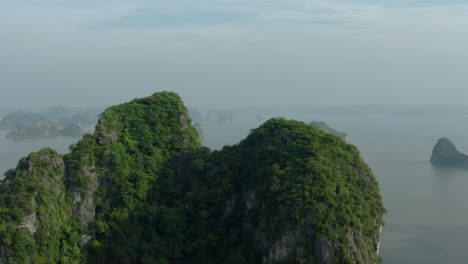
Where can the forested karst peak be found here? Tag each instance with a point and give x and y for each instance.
(142, 189)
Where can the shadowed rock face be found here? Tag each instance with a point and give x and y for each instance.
(445, 153)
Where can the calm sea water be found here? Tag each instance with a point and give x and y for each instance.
(427, 220)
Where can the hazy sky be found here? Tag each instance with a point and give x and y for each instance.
(226, 53)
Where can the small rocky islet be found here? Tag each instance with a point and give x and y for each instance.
(445, 153)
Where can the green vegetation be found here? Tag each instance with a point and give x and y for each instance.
(35, 215)
(142, 189)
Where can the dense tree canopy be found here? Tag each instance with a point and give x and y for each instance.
(142, 189)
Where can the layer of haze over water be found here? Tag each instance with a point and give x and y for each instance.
(269, 53)
(223, 53)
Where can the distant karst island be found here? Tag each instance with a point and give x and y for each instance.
(445, 153)
(52, 122)
(325, 128)
(46, 129)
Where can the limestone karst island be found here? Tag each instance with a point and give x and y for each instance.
(445, 153)
(142, 189)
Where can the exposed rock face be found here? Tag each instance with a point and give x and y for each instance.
(285, 246)
(83, 199)
(183, 121)
(445, 153)
(29, 222)
(324, 250)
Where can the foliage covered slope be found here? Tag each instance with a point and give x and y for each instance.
(141, 189)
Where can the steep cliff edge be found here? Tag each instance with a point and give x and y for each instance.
(445, 153)
(36, 224)
(141, 189)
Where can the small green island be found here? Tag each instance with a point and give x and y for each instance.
(50, 122)
(142, 189)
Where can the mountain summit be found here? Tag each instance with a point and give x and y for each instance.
(142, 189)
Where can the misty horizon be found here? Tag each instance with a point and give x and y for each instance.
(223, 54)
